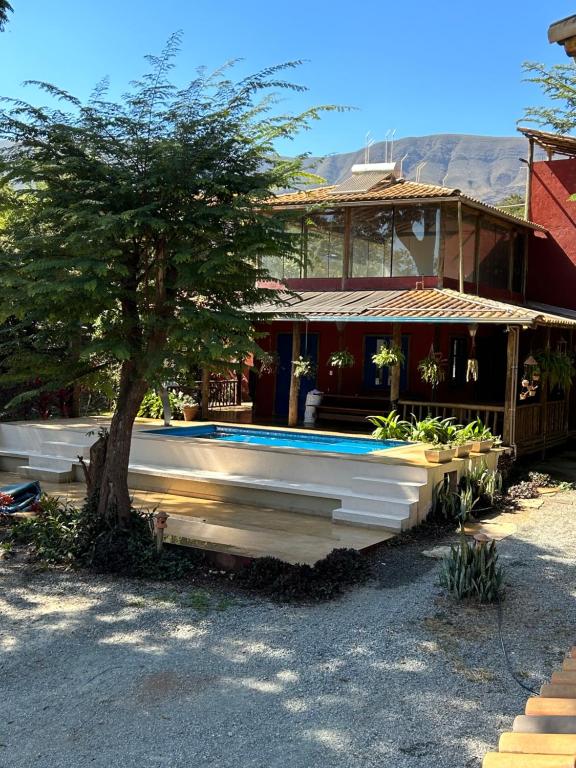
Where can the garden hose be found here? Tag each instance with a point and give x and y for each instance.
(505, 652)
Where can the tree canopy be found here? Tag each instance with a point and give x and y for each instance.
(5, 9)
(558, 83)
(133, 229)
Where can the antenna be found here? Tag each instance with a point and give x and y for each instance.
(391, 145)
(419, 168)
(368, 141)
(386, 145)
(402, 164)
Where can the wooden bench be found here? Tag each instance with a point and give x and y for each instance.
(352, 408)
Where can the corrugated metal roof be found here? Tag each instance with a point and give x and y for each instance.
(362, 182)
(423, 305)
(387, 191)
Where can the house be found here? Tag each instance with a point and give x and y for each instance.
(444, 277)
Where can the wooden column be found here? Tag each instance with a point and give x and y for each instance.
(511, 394)
(396, 369)
(294, 382)
(460, 250)
(205, 399)
(545, 383)
(347, 259)
(527, 210)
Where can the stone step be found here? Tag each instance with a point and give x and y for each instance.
(377, 505)
(387, 522)
(46, 474)
(400, 489)
(537, 705)
(66, 450)
(544, 724)
(558, 691)
(538, 743)
(50, 462)
(561, 677)
(569, 665)
(511, 760)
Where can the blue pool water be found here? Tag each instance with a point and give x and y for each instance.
(308, 441)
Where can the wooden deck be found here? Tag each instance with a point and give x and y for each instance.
(238, 530)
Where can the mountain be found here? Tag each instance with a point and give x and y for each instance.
(484, 167)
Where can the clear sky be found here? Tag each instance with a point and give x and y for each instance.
(418, 66)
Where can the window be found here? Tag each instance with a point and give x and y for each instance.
(416, 242)
(324, 244)
(379, 378)
(371, 242)
(452, 243)
(494, 256)
(281, 267)
(458, 360)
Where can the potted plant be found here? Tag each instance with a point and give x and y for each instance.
(303, 368)
(341, 359)
(431, 370)
(440, 453)
(481, 437)
(388, 356)
(189, 405)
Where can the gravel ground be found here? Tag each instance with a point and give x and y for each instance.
(97, 672)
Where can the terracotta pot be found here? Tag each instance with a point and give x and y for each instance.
(190, 412)
(439, 455)
(482, 446)
(463, 450)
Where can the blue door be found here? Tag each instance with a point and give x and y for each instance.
(309, 347)
(379, 378)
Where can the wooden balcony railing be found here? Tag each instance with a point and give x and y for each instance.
(490, 415)
(540, 425)
(223, 392)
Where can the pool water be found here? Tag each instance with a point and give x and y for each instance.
(308, 441)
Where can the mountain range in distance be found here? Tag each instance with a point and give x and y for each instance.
(487, 168)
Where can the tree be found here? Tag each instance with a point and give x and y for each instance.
(5, 9)
(140, 225)
(513, 203)
(559, 84)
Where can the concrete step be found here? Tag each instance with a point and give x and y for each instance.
(400, 489)
(558, 691)
(66, 450)
(46, 474)
(537, 705)
(560, 677)
(538, 743)
(50, 462)
(544, 724)
(510, 760)
(387, 522)
(390, 506)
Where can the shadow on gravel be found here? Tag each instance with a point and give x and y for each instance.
(96, 672)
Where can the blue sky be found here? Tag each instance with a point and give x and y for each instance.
(416, 66)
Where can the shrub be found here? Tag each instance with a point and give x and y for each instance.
(472, 571)
(390, 427)
(541, 479)
(323, 581)
(485, 485)
(524, 490)
(152, 408)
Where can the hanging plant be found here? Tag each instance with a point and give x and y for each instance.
(341, 359)
(431, 370)
(557, 368)
(388, 356)
(472, 369)
(303, 368)
(268, 362)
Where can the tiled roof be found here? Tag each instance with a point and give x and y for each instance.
(390, 191)
(554, 143)
(423, 305)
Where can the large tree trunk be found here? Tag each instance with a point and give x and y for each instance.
(114, 499)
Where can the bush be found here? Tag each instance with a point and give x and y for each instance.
(524, 490)
(541, 479)
(152, 408)
(323, 581)
(64, 535)
(472, 571)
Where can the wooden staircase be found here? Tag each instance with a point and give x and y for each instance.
(545, 736)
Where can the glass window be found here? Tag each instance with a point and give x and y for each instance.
(452, 243)
(371, 242)
(494, 255)
(325, 244)
(518, 262)
(280, 267)
(416, 240)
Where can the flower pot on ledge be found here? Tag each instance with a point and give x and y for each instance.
(463, 450)
(190, 412)
(482, 446)
(439, 455)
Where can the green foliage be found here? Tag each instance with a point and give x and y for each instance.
(512, 204)
(325, 580)
(303, 368)
(472, 571)
(61, 534)
(390, 427)
(388, 355)
(5, 8)
(558, 83)
(557, 368)
(526, 489)
(341, 359)
(452, 505)
(477, 430)
(541, 479)
(484, 484)
(151, 406)
(432, 370)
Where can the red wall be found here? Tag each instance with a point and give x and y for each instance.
(421, 336)
(552, 261)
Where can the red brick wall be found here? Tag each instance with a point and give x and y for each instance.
(552, 261)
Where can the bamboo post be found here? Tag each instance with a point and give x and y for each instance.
(205, 405)
(527, 202)
(509, 431)
(294, 381)
(460, 250)
(395, 370)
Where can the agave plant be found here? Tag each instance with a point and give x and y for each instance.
(390, 427)
(472, 571)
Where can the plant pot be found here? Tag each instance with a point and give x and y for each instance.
(439, 455)
(463, 450)
(190, 412)
(482, 446)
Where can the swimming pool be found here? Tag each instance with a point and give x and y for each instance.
(308, 441)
